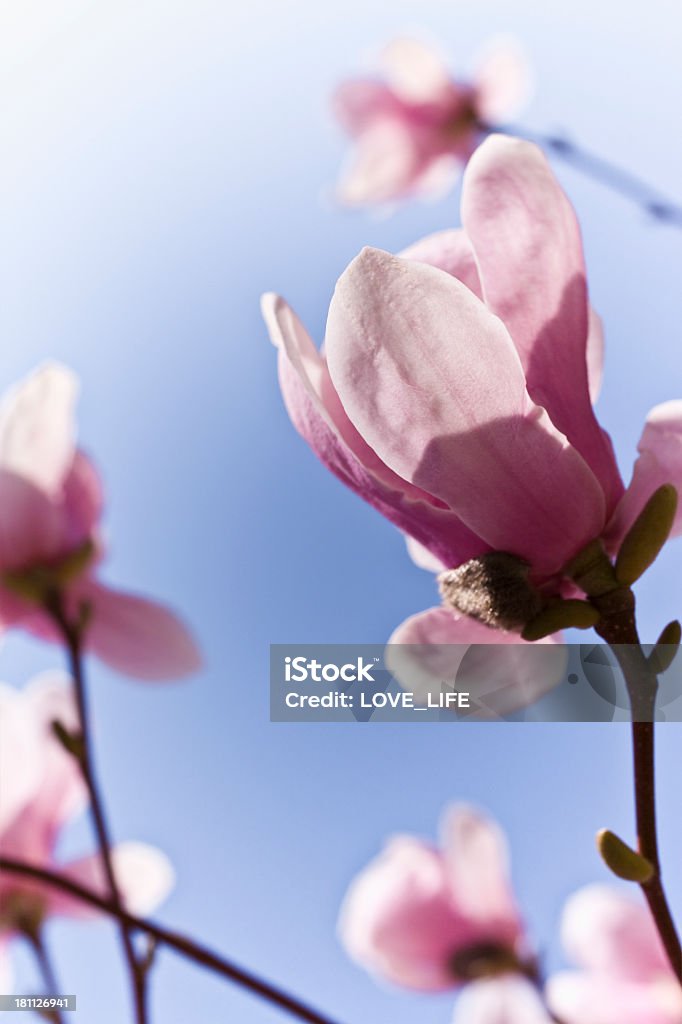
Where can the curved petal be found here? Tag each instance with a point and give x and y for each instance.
(31, 523)
(529, 252)
(581, 998)
(504, 1000)
(434, 385)
(422, 557)
(610, 933)
(477, 860)
(415, 71)
(318, 415)
(385, 166)
(83, 500)
(397, 919)
(659, 462)
(138, 637)
(37, 427)
(359, 103)
(144, 875)
(21, 756)
(503, 81)
(450, 251)
(501, 672)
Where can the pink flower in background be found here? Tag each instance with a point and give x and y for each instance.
(624, 976)
(455, 395)
(415, 128)
(430, 918)
(50, 512)
(52, 795)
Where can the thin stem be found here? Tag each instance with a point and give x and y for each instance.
(72, 635)
(174, 940)
(609, 174)
(44, 962)
(642, 684)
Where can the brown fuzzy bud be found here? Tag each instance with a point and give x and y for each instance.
(493, 589)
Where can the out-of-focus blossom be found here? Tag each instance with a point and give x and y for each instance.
(415, 127)
(506, 1000)
(52, 797)
(432, 918)
(455, 395)
(50, 512)
(624, 976)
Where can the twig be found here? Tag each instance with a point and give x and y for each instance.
(174, 940)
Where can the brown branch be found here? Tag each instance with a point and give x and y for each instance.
(194, 951)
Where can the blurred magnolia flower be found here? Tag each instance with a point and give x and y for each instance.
(55, 794)
(433, 918)
(50, 510)
(455, 395)
(624, 976)
(415, 128)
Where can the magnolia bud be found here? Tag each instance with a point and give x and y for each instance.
(647, 535)
(625, 862)
(493, 589)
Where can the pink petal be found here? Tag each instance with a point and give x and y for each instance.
(138, 637)
(504, 1000)
(386, 165)
(360, 103)
(611, 933)
(501, 672)
(581, 998)
(503, 81)
(83, 500)
(31, 524)
(21, 756)
(422, 557)
(659, 462)
(595, 354)
(477, 859)
(144, 876)
(415, 71)
(317, 414)
(529, 253)
(37, 427)
(397, 920)
(59, 793)
(434, 385)
(449, 251)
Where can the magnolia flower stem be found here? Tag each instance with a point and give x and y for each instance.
(613, 177)
(42, 956)
(181, 944)
(72, 635)
(642, 683)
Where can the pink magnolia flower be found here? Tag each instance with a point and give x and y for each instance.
(30, 826)
(416, 127)
(50, 511)
(432, 918)
(455, 395)
(624, 976)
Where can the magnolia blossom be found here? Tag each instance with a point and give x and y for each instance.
(432, 918)
(415, 128)
(50, 510)
(624, 976)
(42, 790)
(455, 395)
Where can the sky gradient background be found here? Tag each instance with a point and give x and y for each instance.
(163, 164)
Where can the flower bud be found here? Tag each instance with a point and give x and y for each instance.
(493, 589)
(647, 535)
(623, 861)
(559, 615)
(667, 646)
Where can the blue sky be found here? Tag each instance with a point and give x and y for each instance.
(164, 164)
